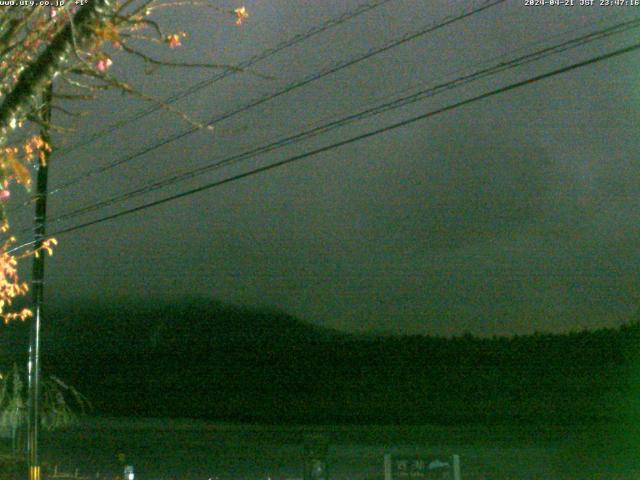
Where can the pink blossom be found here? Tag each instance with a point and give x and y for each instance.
(174, 40)
(103, 64)
(4, 195)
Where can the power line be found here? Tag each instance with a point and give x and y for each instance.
(307, 80)
(537, 55)
(400, 102)
(60, 152)
(333, 22)
(372, 133)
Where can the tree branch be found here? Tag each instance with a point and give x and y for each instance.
(26, 94)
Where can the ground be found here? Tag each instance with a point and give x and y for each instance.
(184, 449)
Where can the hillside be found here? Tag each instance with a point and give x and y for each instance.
(209, 360)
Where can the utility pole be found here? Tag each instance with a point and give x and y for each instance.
(37, 289)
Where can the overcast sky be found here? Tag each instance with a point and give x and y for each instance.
(512, 214)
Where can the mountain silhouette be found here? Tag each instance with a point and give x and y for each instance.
(205, 359)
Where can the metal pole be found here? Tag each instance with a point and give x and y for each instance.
(388, 467)
(37, 288)
(456, 468)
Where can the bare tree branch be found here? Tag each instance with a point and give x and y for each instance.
(26, 93)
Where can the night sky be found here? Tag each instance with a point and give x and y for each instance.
(512, 214)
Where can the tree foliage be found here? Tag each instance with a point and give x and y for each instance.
(61, 404)
(74, 45)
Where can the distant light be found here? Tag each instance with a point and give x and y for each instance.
(128, 473)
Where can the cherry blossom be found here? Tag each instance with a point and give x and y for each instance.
(241, 15)
(174, 39)
(104, 63)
